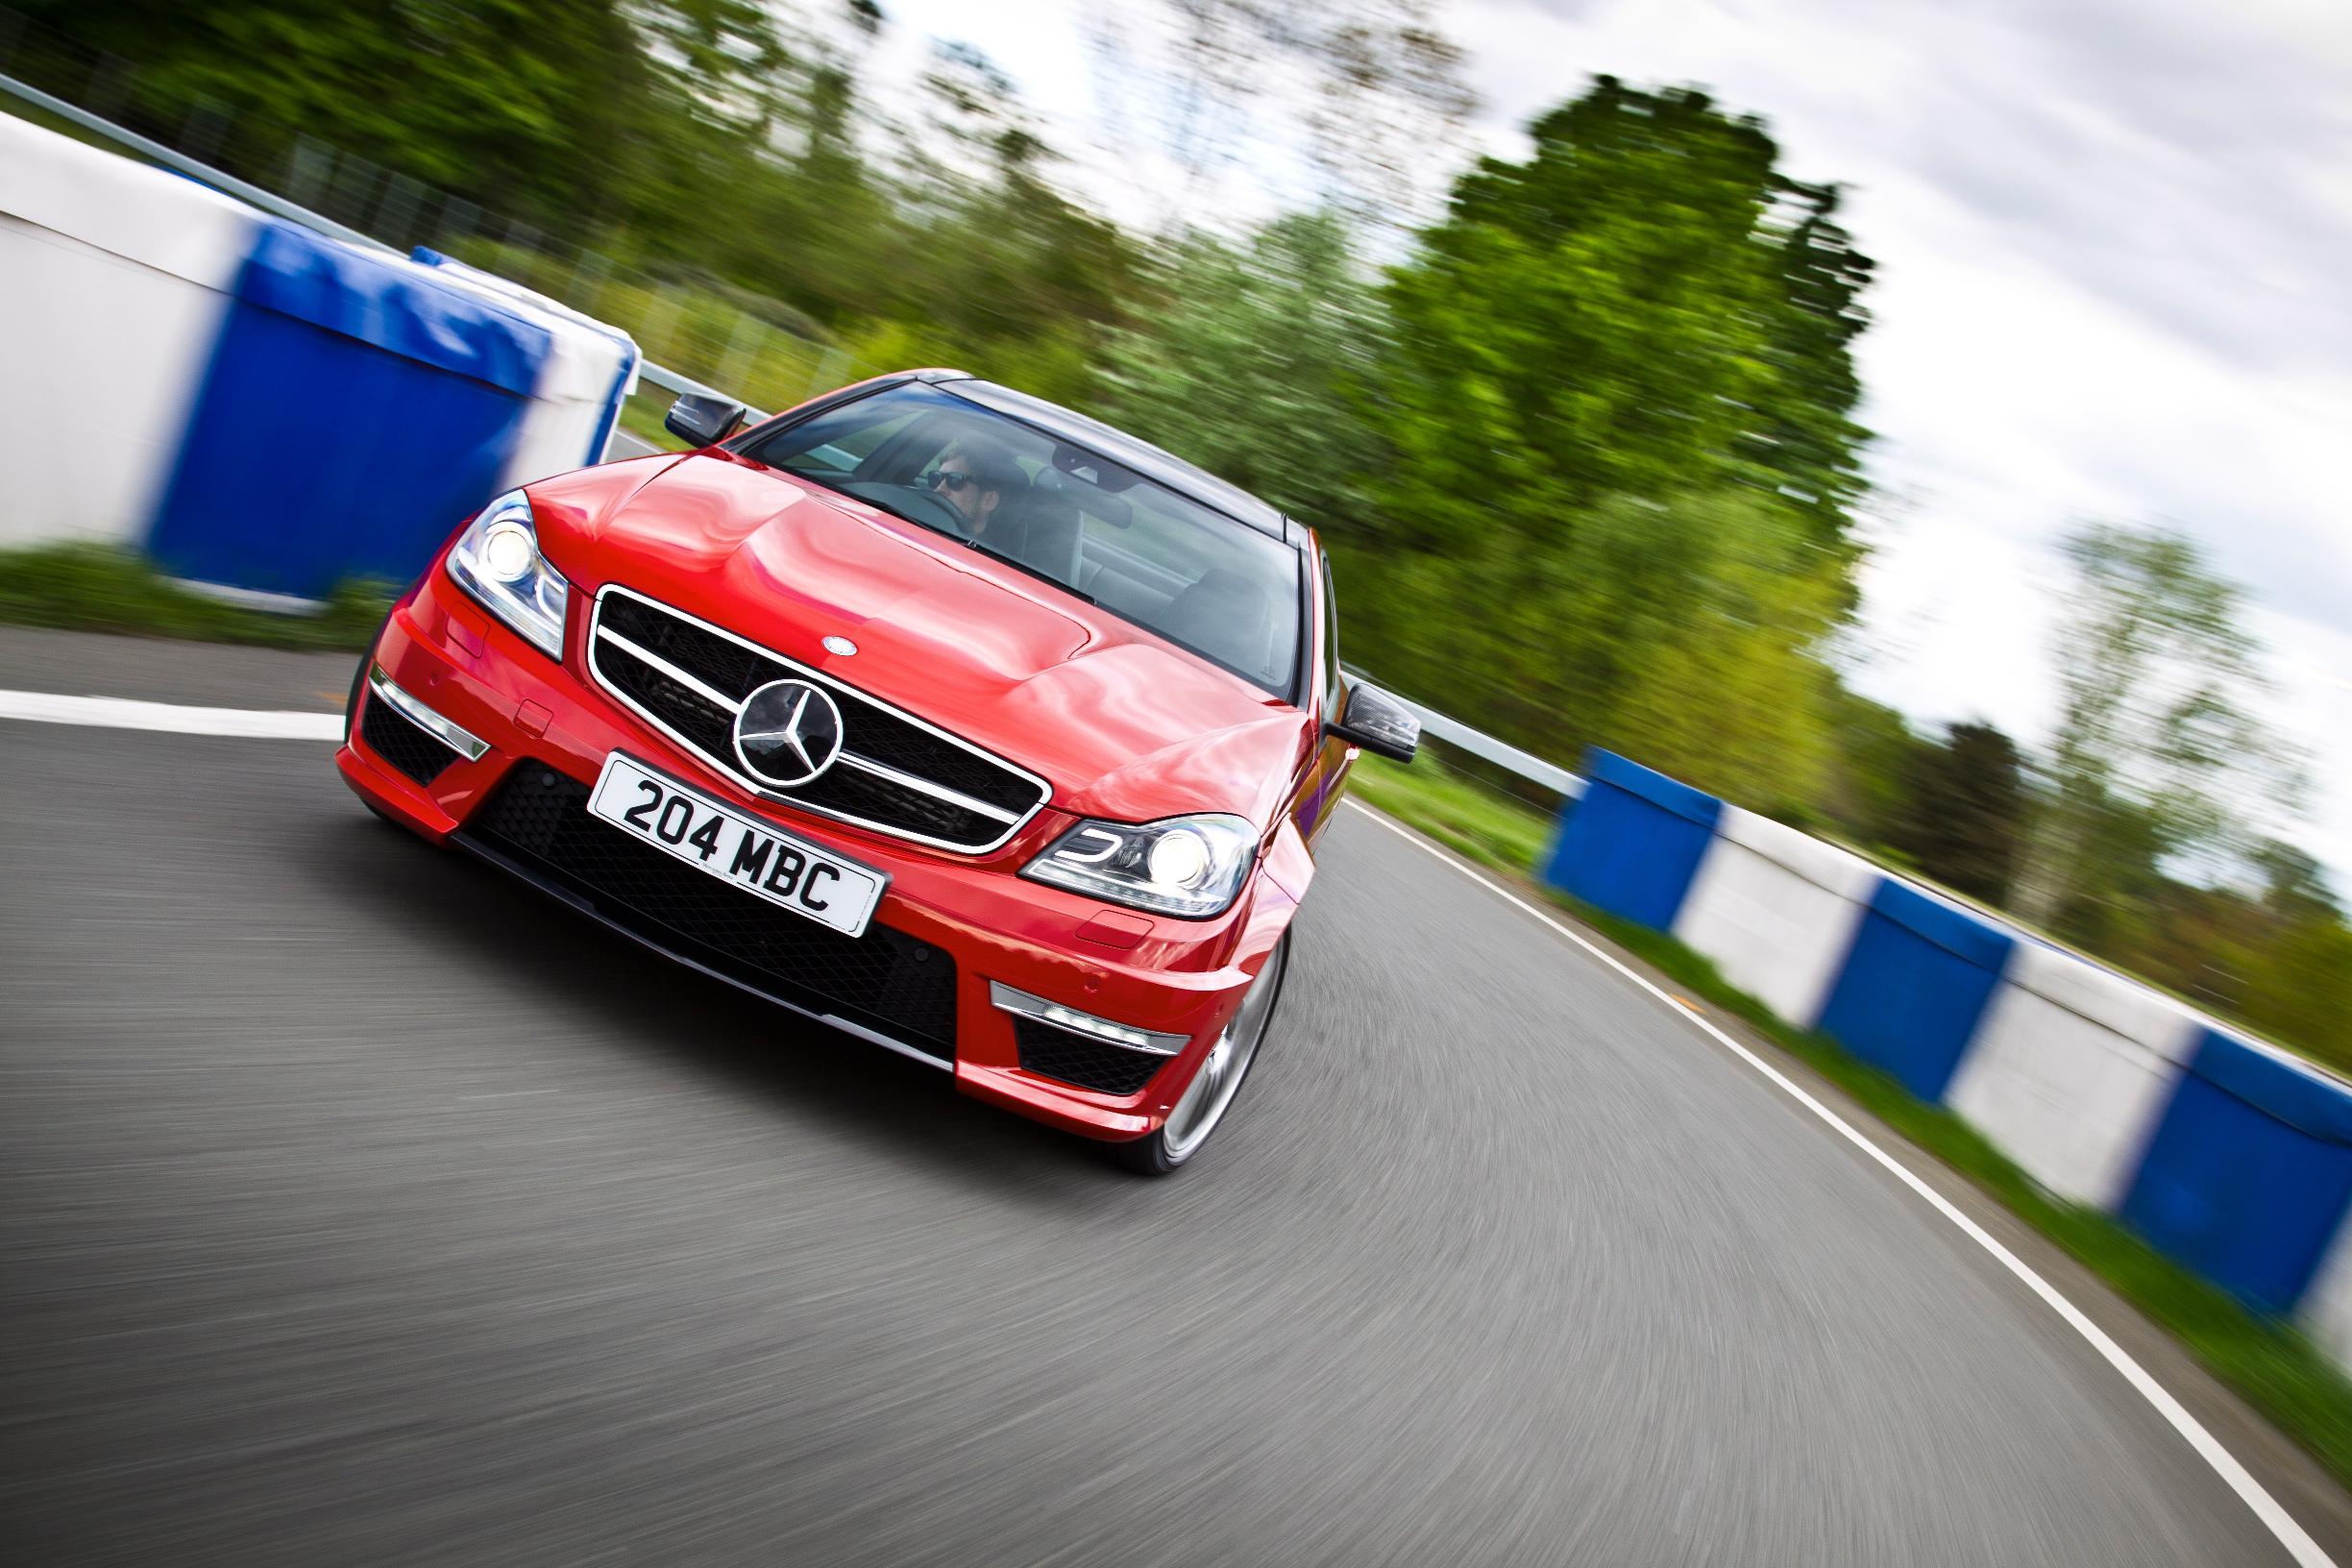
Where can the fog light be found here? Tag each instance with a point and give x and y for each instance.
(412, 708)
(1073, 1022)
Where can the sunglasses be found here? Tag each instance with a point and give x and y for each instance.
(948, 479)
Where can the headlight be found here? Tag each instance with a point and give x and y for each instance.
(1188, 866)
(498, 561)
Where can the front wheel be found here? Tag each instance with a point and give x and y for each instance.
(1214, 1086)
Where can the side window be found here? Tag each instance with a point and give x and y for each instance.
(1330, 641)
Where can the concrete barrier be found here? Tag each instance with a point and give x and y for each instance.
(259, 404)
(1634, 842)
(2232, 1158)
(2251, 1171)
(2073, 1067)
(350, 419)
(591, 369)
(114, 306)
(2327, 1308)
(1777, 911)
(1915, 985)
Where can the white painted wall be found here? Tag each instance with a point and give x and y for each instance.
(1777, 911)
(2070, 1070)
(113, 282)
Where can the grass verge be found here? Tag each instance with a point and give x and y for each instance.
(2268, 1363)
(1458, 812)
(100, 588)
(641, 416)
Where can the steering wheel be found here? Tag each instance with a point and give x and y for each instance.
(915, 502)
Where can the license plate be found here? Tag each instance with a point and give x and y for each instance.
(764, 861)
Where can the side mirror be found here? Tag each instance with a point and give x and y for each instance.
(704, 420)
(1377, 721)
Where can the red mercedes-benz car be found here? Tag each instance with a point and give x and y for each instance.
(953, 718)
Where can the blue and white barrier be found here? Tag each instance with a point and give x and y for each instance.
(1634, 842)
(590, 372)
(252, 403)
(2070, 1070)
(112, 308)
(1915, 985)
(2248, 1175)
(2327, 1306)
(1777, 910)
(2231, 1156)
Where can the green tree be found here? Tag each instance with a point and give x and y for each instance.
(533, 107)
(1964, 811)
(2299, 988)
(683, 138)
(1253, 361)
(2159, 681)
(2293, 886)
(1643, 307)
(1673, 630)
(1873, 752)
(1593, 519)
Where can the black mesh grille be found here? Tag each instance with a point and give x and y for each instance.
(704, 722)
(886, 980)
(876, 732)
(861, 794)
(869, 730)
(1057, 1053)
(704, 654)
(399, 740)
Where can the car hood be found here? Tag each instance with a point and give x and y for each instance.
(1121, 723)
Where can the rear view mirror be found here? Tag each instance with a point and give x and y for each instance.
(704, 420)
(1378, 722)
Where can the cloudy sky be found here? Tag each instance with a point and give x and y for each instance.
(2114, 240)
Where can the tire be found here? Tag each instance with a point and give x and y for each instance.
(1177, 1140)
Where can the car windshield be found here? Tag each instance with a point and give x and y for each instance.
(1061, 512)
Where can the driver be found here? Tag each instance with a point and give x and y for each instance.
(974, 479)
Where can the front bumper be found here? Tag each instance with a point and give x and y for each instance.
(544, 727)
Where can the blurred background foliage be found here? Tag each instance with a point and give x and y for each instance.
(1579, 429)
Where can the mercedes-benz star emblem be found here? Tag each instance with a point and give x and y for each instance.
(788, 732)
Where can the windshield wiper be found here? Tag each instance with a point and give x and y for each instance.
(1020, 565)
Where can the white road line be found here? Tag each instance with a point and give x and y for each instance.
(2299, 1546)
(122, 713)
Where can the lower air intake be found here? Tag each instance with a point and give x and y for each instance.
(406, 746)
(538, 825)
(1077, 1061)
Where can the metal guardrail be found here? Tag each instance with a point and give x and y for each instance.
(671, 381)
(1484, 746)
(1451, 731)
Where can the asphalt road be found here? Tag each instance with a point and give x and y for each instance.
(357, 1205)
(625, 445)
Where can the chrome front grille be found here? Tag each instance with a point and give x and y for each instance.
(896, 773)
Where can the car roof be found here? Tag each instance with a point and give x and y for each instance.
(1163, 468)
